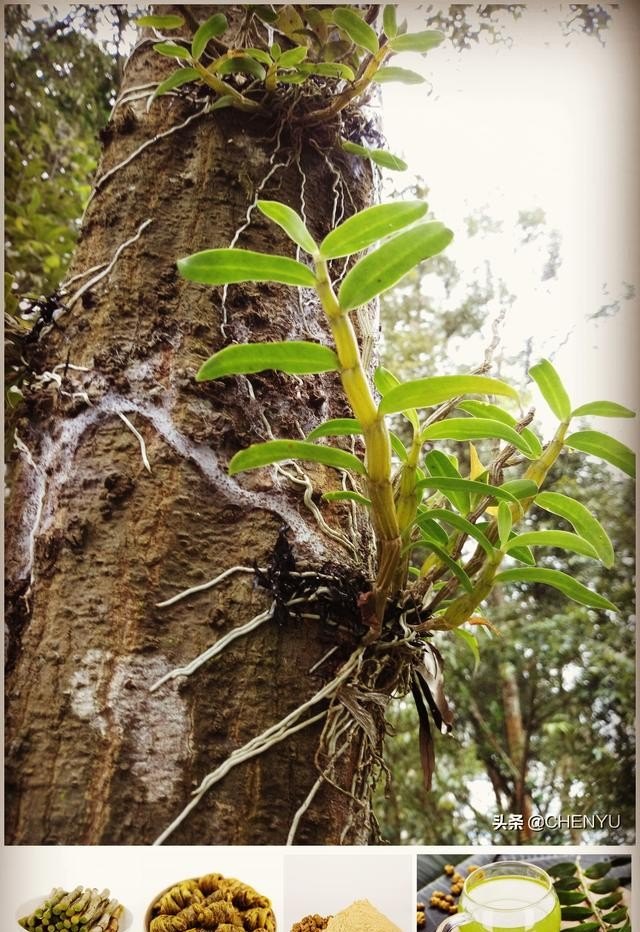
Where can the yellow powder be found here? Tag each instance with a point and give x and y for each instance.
(361, 916)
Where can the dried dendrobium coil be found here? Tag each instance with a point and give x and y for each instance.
(212, 902)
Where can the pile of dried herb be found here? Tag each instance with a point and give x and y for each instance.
(83, 909)
(212, 902)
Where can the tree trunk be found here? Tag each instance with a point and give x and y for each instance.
(516, 745)
(95, 540)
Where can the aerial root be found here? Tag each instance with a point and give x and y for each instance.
(286, 727)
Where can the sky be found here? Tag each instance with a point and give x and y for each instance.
(539, 122)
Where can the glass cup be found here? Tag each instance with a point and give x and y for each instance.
(508, 896)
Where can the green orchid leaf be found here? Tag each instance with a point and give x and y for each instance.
(460, 524)
(242, 64)
(427, 393)
(505, 522)
(440, 466)
(564, 539)
(605, 448)
(398, 447)
(401, 75)
(523, 555)
(329, 69)
(263, 57)
(431, 529)
(447, 484)
(336, 427)
(358, 31)
(230, 266)
(292, 57)
(161, 22)
(552, 389)
(389, 21)
(387, 160)
(292, 224)
(176, 79)
(449, 562)
(603, 409)
(561, 581)
(476, 428)
(583, 522)
(172, 50)
(275, 451)
(389, 263)
(496, 413)
(417, 41)
(521, 488)
(368, 226)
(347, 496)
(211, 28)
(293, 357)
(472, 643)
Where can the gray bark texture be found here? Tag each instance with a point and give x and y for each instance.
(95, 540)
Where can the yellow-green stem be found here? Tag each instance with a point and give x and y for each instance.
(462, 607)
(376, 436)
(354, 90)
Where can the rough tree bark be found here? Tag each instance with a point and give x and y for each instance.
(95, 540)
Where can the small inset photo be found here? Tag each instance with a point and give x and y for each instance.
(348, 893)
(523, 893)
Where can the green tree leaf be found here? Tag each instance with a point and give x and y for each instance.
(606, 885)
(358, 31)
(173, 50)
(229, 266)
(439, 465)
(274, 451)
(450, 484)
(561, 581)
(460, 523)
(617, 915)
(552, 389)
(291, 223)
(505, 522)
(293, 357)
(368, 226)
(417, 41)
(563, 869)
(389, 22)
(576, 912)
(176, 79)
(427, 393)
(598, 870)
(161, 22)
(475, 428)
(402, 75)
(564, 539)
(336, 427)
(605, 448)
(347, 496)
(389, 263)
(214, 26)
(603, 409)
(583, 522)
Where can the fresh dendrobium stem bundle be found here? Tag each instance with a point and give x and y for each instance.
(419, 503)
(83, 909)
